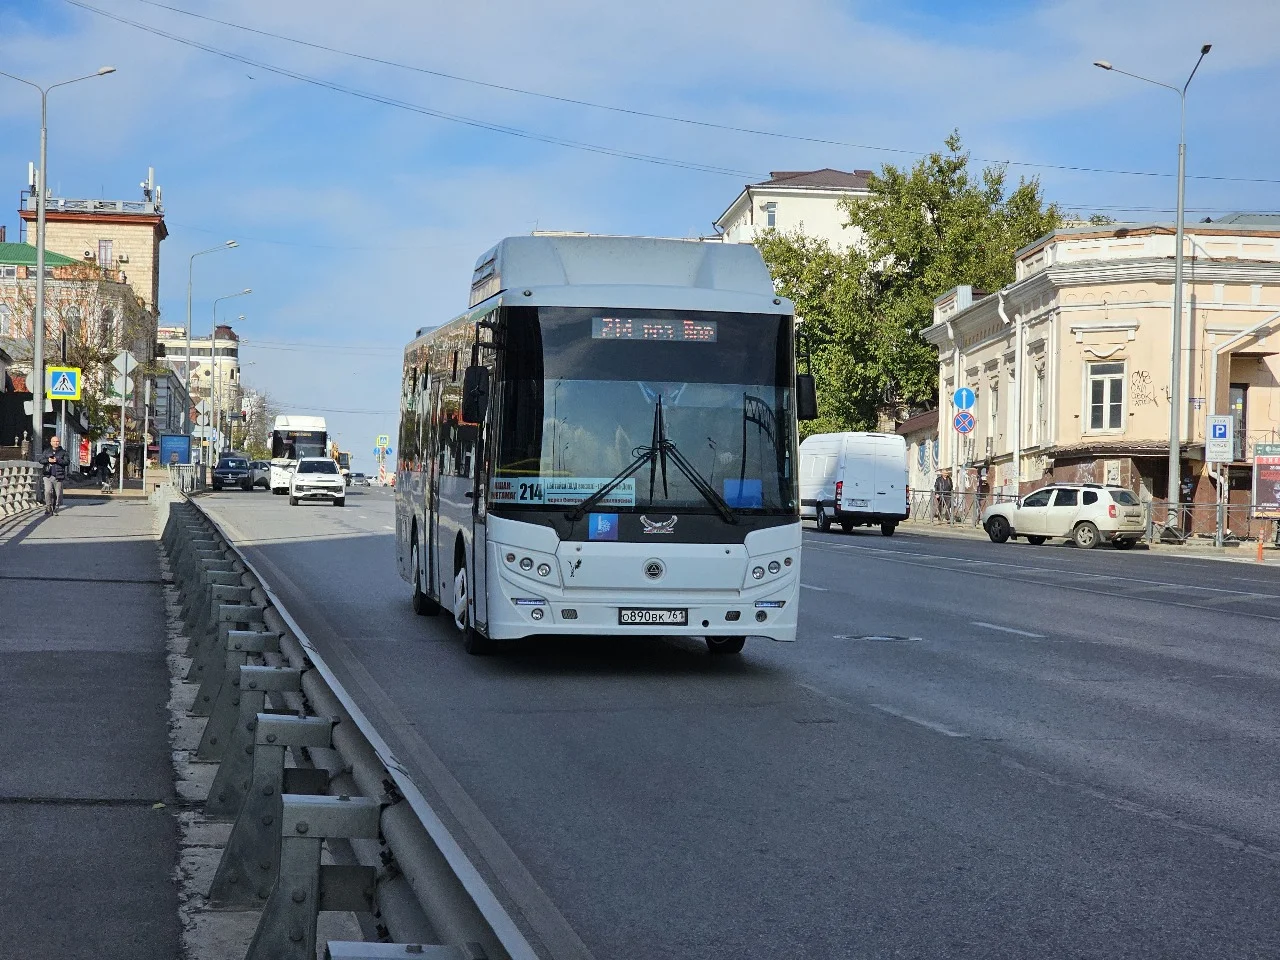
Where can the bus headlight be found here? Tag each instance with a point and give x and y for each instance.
(757, 573)
(544, 569)
(526, 563)
(774, 566)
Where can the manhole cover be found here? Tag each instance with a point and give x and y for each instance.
(876, 638)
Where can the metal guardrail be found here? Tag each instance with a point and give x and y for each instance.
(395, 860)
(185, 477)
(958, 508)
(19, 487)
(1197, 522)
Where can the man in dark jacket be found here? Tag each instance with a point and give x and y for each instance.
(102, 462)
(56, 462)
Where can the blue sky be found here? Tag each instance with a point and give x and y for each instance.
(359, 222)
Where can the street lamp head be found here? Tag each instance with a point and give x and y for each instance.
(1104, 64)
(1205, 49)
(231, 243)
(103, 71)
(247, 290)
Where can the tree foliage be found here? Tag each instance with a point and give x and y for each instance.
(921, 232)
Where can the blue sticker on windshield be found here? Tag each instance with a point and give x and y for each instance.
(744, 493)
(602, 526)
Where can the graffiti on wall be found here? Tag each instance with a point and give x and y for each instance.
(1141, 390)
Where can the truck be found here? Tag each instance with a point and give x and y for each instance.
(854, 479)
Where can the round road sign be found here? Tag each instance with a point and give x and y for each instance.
(964, 422)
(963, 399)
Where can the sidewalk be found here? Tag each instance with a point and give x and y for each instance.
(89, 857)
(1245, 552)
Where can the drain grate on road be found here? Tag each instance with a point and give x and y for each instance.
(876, 638)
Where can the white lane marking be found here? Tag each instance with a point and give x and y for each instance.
(385, 527)
(1037, 570)
(927, 724)
(996, 626)
(809, 586)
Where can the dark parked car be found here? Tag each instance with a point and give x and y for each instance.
(232, 472)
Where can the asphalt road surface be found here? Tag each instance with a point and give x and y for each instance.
(973, 751)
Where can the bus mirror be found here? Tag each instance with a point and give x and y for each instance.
(806, 397)
(475, 394)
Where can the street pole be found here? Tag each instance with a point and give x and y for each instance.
(1175, 374)
(215, 367)
(191, 263)
(37, 326)
(120, 462)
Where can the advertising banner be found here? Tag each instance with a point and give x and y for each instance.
(174, 448)
(1266, 480)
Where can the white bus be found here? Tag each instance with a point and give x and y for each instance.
(604, 444)
(294, 437)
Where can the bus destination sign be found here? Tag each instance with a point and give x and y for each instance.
(640, 328)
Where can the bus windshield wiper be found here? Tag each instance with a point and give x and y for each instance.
(656, 455)
(645, 455)
(667, 448)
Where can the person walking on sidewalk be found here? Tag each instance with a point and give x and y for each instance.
(942, 496)
(56, 462)
(103, 464)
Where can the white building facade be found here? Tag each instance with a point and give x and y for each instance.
(792, 201)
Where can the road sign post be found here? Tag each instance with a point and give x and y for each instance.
(1219, 448)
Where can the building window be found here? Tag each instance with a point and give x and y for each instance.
(993, 410)
(1038, 424)
(770, 214)
(105, 331)
(104, 253)
(6, 321)
(1105, 396)
(71, 322)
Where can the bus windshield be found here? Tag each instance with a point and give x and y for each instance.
(586, 392)
(295, 444)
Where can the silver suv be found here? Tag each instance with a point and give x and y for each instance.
(1087, 513)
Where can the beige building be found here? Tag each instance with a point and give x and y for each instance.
(1071, 362)
(790, 200)
(215, 363)
(121, 237)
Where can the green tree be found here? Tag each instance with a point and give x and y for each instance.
(923, 231)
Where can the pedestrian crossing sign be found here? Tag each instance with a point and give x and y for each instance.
(62, 383)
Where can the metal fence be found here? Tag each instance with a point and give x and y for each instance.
(186, 478)
(19, 487)
(1198, 523)
(958, 508)
(270, 697)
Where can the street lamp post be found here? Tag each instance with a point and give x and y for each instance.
(191, 263)
(37, 350)
(214, 368)
(1175, 375)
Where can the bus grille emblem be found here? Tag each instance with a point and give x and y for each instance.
(660, 527)
(653, 569)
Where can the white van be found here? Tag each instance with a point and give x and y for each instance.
(854, 479)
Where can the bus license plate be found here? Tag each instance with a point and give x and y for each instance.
(649, 615)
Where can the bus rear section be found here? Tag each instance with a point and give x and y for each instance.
(632, 468)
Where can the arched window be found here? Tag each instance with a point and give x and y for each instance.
(71, 321)
(107, 325)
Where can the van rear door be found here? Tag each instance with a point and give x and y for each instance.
(890, 462)
(858, 474)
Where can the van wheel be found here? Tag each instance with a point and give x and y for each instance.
(886, 529)
(823, 521)
(1036, 541)
(846, 526)
(1085, 535)
(998, 530)
(423, 605)
(718, 646)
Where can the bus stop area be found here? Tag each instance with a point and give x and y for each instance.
(87, 797)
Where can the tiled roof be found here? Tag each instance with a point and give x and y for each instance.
(24, 255)
(921, 421)
(825, 178)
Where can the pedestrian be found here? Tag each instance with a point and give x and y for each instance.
(942, 496)
(102, 464)
(56, 463)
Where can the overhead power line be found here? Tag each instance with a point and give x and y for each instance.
(690, 121)
(418, 108)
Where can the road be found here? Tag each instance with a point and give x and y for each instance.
(973, 751)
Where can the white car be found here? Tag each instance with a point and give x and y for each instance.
(1087, 513)
(317, 478)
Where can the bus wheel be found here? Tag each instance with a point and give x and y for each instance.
(722, 645)
(473, 641)
(423, 605)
